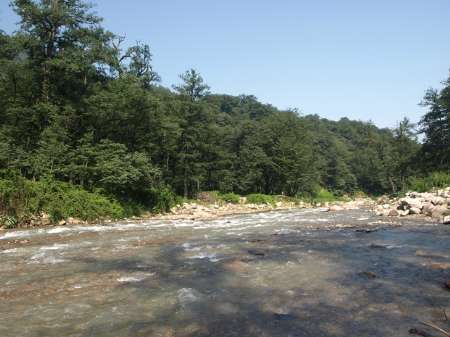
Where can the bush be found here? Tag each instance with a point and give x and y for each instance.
(258, 198)
(163, 199)
(21, 198)
(320, 195)
(230, 197)
(430, 182)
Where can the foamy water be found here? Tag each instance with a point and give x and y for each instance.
(278, 274)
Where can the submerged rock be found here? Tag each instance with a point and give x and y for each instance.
(257, 252)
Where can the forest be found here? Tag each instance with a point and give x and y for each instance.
(86, 129)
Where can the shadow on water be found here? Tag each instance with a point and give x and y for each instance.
(292, 276)
(287, 285)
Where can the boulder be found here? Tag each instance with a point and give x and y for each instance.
(438, 201)
(438, 212)
(414, 210)
(427, 208)
(335, 208)
(407, 203)
(403, 212)
(446, 220)
(393, 212)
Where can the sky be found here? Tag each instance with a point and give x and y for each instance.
(366, 60)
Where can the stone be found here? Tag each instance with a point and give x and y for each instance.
(62, 223)
(438, 212)
(407, 203)
(257, 252)
(404, 212)
(414, 210)
(438, 201)
(393, 212)
(440, 266)
(369, 274)
(427, 208)
(446, 220)
(335, 208)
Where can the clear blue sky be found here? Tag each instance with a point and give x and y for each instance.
(367, 60)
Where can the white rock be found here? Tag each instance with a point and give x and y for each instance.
(407, 203)
(438, 212)
(414, 210)
(428, 208)
(438, 201)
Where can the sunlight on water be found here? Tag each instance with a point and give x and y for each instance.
(289, 273)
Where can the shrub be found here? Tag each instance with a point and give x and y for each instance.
(320, 195)
(163, 199)
(258, 198)
(230, 197)
(430, 182)
(21, 198)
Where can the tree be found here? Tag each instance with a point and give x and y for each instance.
(136, 61)
(405, 147)
(64, 37)
(435, 125)
(193, 86)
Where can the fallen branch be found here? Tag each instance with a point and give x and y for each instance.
(435, 327)
(418, 332)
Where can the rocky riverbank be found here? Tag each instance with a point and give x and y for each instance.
(196, 210)
(200, 210)
(434, 204)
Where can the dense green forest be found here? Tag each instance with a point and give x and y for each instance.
(84, 118)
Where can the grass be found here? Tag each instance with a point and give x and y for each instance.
(432, 181)
(258, 198)
(229, 197)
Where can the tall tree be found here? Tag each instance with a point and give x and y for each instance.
(435, 125)
(64, 36)
(193, 85)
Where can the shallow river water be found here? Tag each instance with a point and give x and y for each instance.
(287, 273)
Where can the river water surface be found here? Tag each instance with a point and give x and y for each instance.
(287, 273)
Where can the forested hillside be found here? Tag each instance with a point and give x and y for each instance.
(80, 112)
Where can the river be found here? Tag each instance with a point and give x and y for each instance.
(285, 273)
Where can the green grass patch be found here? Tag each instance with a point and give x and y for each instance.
(432, 181)
(258, 198)
(229, 197)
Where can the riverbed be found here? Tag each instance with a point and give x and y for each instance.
(284, 273)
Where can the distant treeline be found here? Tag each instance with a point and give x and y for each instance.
(77, 107)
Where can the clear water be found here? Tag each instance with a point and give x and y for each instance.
(290, 273)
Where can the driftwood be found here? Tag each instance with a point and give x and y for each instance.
(435, 327)
(418, 332)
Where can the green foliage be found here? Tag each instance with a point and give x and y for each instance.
(435, 125)
(430, 182)
(258, 198)
(229, 197)
(322, 195)
(9, 221)
(163, 199)
(21, 198)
